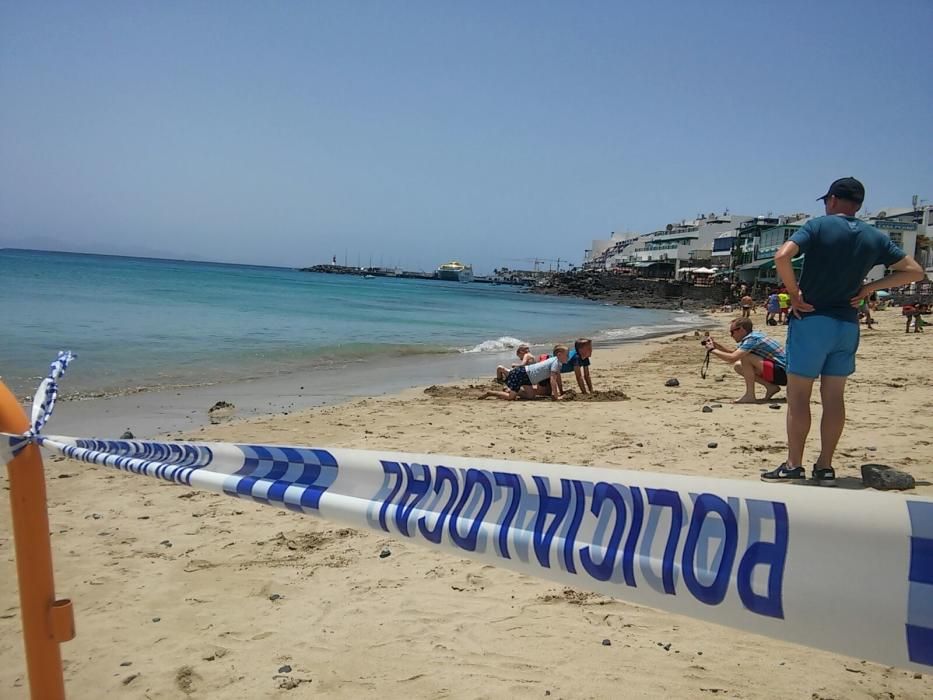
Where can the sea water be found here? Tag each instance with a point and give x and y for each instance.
(139, 323)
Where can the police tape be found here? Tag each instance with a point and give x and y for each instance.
(846, 571)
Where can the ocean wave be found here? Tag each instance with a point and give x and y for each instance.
(498, 345)
(636, 332)
(687, 317)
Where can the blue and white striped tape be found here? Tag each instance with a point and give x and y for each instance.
(799, 564)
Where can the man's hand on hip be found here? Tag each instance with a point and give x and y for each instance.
(798, 305)
(863, 293)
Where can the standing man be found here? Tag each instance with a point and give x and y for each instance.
(824, 332)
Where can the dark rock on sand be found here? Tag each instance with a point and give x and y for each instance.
(285, 669)
(775, 406)
(884, 478)
(607, 643)
(385, 553)
(672, 382)
(712, 445)
(707, 409)
(220, 411)
(127, 435)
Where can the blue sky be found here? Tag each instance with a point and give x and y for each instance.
(415, 132)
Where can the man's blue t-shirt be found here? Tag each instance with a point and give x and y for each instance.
(574, 361)
(840, 250)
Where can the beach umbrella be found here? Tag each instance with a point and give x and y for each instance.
(883, 294)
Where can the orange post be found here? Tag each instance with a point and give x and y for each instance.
(46, 622)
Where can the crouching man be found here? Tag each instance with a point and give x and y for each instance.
(757, 358)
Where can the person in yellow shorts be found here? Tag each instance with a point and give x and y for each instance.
(783, 305)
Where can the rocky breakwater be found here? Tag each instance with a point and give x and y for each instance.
(633, 291)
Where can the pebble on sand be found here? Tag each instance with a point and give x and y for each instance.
(384, 553)
(707, 409)
(712, 445)
(672, 382)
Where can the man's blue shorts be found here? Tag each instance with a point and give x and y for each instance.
(821, 345)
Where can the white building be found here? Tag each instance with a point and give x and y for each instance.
(910, 228)
(602, 253)
(683, 245)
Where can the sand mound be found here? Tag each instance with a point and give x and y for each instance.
(608, 395)
(473, 391)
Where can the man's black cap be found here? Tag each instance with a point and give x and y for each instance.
(846, 188)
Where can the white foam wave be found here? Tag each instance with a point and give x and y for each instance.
(642, 331)
(498, 345)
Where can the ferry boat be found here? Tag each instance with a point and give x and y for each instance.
(455, 272)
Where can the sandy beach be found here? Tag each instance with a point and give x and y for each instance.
(184, 594)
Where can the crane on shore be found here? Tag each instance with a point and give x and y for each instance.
(537, 261)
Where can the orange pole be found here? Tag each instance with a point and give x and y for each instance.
(46, 622)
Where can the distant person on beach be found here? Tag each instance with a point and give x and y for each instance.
(747, 304)
(919, 323)
(578, 362)
(523, 353)
(824, 330)
(773, 308)
(864, 314)
(521, 382)
(783, 305)
(914, 312)
(757, 359)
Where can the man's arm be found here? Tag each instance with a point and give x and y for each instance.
(785, 270)
(586, 376)
(722, 353)
(727, 356)
(906, 270)
(578, 373)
